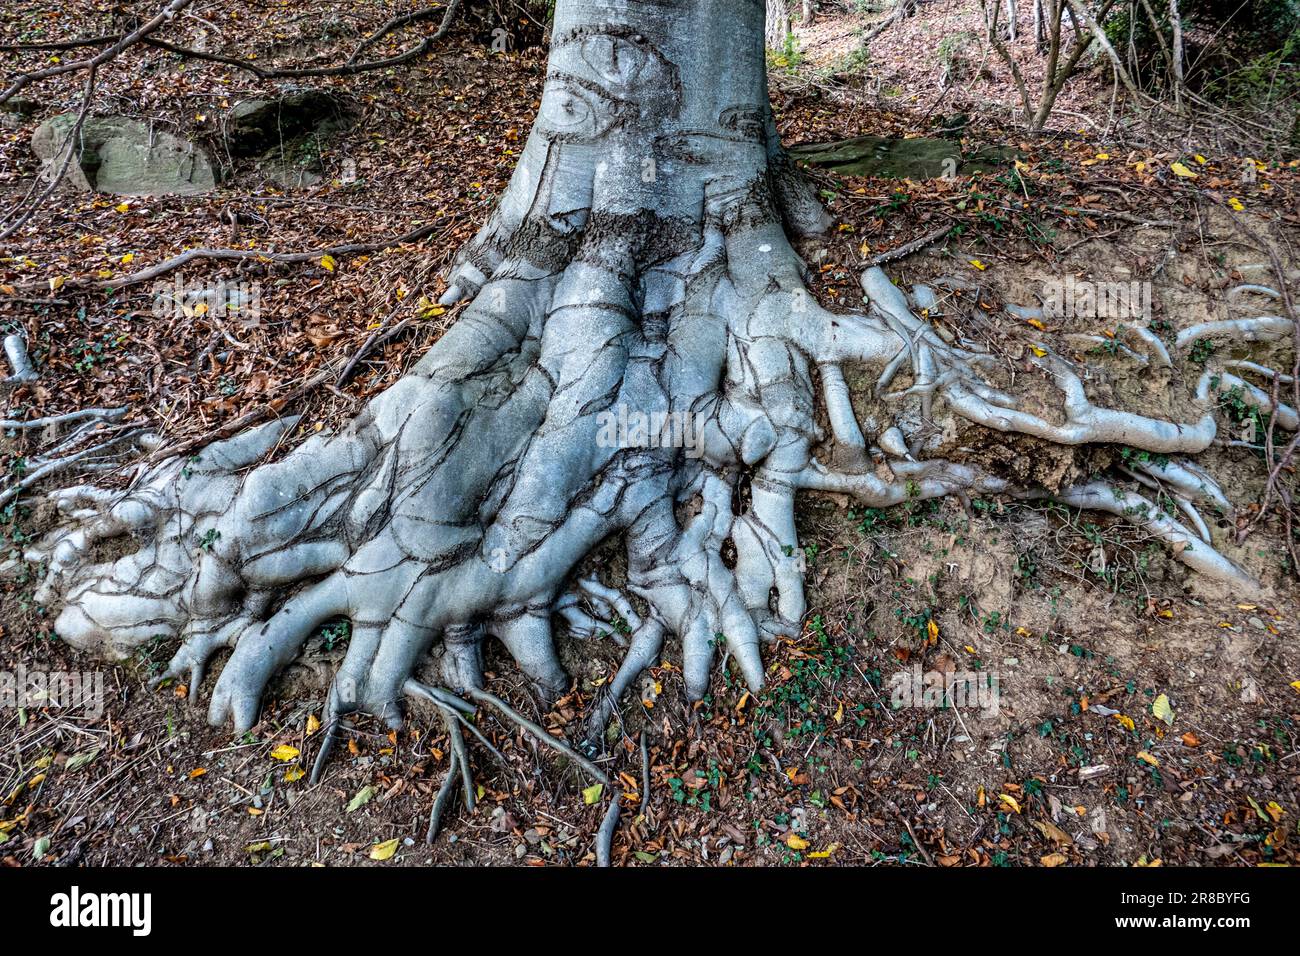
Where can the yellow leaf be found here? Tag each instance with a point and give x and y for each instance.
(383, 851)
(796, 842)
(327, 262)
(839, 713)
(1181, 171)
(1126, 721)
(294, 773)
(1037, 323)
(285, 752)
(1054, 859)
(1236, 204)
(932, 629)
(198, 772)
(1161, 709)
(123, 207)
(1148, 758)
(1103, 155)
(1054, 833)
(1295, 686)
(1200, 159)
(127, 259)
(313, 723)
(1037, 351)
(57, 283)
(978, 265)
(1010, 801)
(592, 794)
(823, 854)
(1254, 804)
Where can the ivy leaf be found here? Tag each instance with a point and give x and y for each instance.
(364, 796)
(1162, 711)
(81, 759)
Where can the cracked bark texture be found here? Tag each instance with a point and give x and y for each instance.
(639, 259)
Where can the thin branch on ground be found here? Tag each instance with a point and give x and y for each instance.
(23, 80)
(71, 147)
(350, 68)
(238, 255)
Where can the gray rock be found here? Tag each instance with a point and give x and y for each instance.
(287, 134)
(123, 156)
(892, 158)
(13, 112)
(21, 106)
(255, 126)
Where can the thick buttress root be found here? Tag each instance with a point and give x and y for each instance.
(641, 359)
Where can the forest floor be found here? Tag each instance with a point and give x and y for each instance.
(1143, 717)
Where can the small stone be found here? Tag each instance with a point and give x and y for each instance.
(21, 106)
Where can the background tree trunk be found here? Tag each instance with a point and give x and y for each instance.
(777, 27)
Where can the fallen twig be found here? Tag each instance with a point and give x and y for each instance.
(99, 59)
(239, 255)
(69, 148)
(916, 245)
